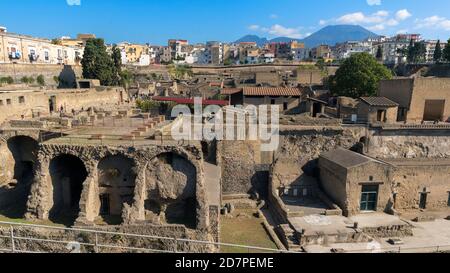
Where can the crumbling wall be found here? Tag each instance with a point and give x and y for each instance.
(410, 144)
(170, 188)
(413, 178)
(239, 161)
(117, 240)
(41, 198)
(18, 71)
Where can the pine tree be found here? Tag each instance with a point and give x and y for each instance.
(379, 55)
(98, 64)
(446, 52)
(437, 57)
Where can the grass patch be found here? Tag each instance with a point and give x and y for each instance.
(24, 221)
(244, 229)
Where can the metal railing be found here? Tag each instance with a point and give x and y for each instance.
(10, 239)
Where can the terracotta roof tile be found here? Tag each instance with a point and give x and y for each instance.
(271, 91)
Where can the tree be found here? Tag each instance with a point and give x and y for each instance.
(446, 52)
(416, 52)
(379, 55)
(358, 76)
(437, 57)
(180, 72)
(98, 64)
(117, 58)
(40, 80)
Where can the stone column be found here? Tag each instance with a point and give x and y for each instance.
(89, 201)
(136, 212)
(41, 193)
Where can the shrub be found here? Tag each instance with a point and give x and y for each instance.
(40, 80)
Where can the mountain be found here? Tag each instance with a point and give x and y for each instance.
(253, 38)
(329, 35)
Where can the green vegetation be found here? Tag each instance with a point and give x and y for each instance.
(379, 55)
(98, 64)
(150, 105)
(251, 232)
(56, 79)
(416, 52)
(27, 80)
(446, 52)
(358, 76)
(7, 80)
(180, 72)
(228, 62)
(437, 57)
(40, 80)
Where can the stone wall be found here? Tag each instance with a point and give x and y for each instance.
(40, 202)
(90, 239)
(49, 71)
(14, 104)
(413, 177)
(404, 143)
(239, 161)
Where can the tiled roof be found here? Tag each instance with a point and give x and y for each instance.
(230, 91)
(271, 91)
(346, 158)
(379, 101)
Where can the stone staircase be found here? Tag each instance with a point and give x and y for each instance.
(288, 237)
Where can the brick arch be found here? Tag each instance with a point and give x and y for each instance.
(116, 181)
(68, 174)
(6, 135)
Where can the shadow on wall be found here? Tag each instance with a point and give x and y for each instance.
(68, 174)
(67, 78)
(117, 177)
(15, 195)
(171, 191)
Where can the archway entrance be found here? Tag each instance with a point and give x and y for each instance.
(116, 178)
(23, 151)
(68, 174)
(171, 191)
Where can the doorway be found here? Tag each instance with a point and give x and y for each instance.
(423, 200)
(317, 109)
(369, 197)
(52, 104)
(434, 110)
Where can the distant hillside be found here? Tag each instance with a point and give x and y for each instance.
(329, 35)
(253, 38)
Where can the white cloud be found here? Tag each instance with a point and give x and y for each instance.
(373, 2)
(279, 30)
(382, 13)
(392, 22)
(273, 16)
(402, 31)
(378, 27)
(402, 15)
(377, 21)
(254, 27)
(73, 2)
(435, 22)
(361, 18)
(323, 22)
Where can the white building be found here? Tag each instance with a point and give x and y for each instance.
(431, 47)
(17, 48)
(267, 58)
(301, 54)
(347, 49)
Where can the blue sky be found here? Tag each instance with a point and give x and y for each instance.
(155, 21)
